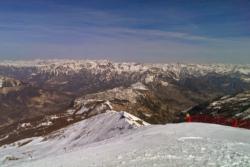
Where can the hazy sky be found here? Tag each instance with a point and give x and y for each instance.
(126, 30)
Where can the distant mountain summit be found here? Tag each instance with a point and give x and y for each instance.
(61, 66)
(52, 94)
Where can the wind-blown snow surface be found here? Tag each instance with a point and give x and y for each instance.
(83, 144)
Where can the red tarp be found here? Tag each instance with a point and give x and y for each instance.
(219, 120)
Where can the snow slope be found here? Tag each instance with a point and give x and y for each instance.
(94, 129)
(186, 144)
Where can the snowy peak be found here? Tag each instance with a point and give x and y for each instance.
(133, 120)
(139, 86)
(95, 129)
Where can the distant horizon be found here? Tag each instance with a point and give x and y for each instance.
(113, 61)
(144, 31)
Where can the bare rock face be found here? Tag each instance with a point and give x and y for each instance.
(6, 82)
(235, 106)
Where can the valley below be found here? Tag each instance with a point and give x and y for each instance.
(103, 113)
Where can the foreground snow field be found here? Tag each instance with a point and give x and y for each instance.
(113, 139)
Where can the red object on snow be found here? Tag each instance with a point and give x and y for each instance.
(218, 120)
(235, 123)
(188, 118)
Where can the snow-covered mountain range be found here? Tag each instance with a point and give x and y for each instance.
(68, 108)
(161, 90)
(68, 67)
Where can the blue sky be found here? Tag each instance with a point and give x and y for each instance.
(127, 30)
